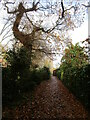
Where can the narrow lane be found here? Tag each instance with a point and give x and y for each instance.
(53, 100)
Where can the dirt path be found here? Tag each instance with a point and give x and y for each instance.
(53, 100)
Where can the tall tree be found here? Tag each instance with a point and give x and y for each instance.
(74, 56)
(38, 21)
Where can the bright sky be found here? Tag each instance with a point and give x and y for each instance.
(81, 33)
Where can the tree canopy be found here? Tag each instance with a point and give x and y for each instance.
(40, 25)
(74, 56)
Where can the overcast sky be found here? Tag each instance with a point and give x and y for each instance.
(81, 33)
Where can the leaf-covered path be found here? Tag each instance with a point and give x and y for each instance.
(53, 100)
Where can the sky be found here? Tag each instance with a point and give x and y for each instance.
(81, 33)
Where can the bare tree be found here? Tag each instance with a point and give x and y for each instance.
(34, 22)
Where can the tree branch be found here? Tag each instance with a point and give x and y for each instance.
(62, 8)
(86, 5)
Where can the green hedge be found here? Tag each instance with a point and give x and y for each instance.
(78, 82)
(34, 78)
(13, 88)
(17, 76)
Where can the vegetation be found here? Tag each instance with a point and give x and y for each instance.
(18, 78)
(74, 73)
(42, 28)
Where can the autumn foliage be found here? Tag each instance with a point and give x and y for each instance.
(74, 73)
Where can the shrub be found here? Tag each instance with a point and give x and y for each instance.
(17, 76)
(58, 74)
(75, 73)
(9, 87)
(40, 74)
(77, 80)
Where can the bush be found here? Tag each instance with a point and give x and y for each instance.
(34, 78)
(58, 73)
(17, 76)
(75, 71)
(77, 80)
(40, 74)
(9, 87)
